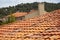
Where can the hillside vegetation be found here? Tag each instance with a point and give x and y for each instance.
(27, 7)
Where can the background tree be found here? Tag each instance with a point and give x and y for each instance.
(27, 7)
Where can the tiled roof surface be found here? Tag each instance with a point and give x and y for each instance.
(19, 14)
(41, 27)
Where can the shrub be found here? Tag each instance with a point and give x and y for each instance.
(10, 19)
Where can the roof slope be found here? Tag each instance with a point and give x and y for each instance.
(19, 14)
(47, 24)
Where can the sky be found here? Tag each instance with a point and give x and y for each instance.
(6, 3)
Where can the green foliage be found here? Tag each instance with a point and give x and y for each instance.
(1, 22)
(51, 6)
(27, 7)
(10, 19)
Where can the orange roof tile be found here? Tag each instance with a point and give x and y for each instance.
(18, 14)
(47, 24)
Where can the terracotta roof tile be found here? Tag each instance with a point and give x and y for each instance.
(42, 25)
(18, 14)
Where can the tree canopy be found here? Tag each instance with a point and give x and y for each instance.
(27, 7)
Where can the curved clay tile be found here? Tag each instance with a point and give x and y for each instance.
(44, 26)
